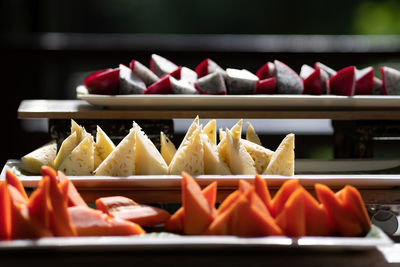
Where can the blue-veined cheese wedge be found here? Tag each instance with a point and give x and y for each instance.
(251, 134)
(260, 155)
(282, 161)
(213, 164)
(103, 147)
(44, 155)
(148, 158)
(81, 160)
(168, 148)
(66, 148)
(121, 161)
(237, 158)
(210, 129)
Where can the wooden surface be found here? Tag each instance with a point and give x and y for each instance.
(79, 109)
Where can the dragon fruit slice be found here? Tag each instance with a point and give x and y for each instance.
(241, 82)
(208, 66)
(103, 82)
(211, 84)
(161, 66)
(364, 81)
(343, 83)
(266, 86)
(129, 83)
(390, 81)
(287, 80)
(147, 76)
(266, 71)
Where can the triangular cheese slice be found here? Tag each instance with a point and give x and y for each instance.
(81, 160)
(43, 155)
(80, 131)
(251, 134)
(282, 162)
(66, 148)
(190, 156)
(121, 161)
(213, 164)
(211, 130)
(238, 159)
(168, 148)
(236, 130)
(148, 158)
(260, 155)
(190, 130)
(103, 147)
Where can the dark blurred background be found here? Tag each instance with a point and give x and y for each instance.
(47, 47)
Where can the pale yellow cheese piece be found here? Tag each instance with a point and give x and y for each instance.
(213, 164)
(260, 155)
(190, 130)
(251, 134)
(66, 148)
(148, 158)
(121, 161)
(190, 156)
(236, 130)
(238, 159)
(168, 148)
(102, 148)
(282, 162)
(81, 160)
(210, 129)
(80, 131)
(44, 155)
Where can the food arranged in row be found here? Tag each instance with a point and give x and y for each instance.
(56, 209)
(165, 77)
(199, 153)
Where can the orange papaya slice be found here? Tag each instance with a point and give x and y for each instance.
(244, 186)
(353, 201)
(261, 188)
(228, 201)
(13, 180)
(283, 194)
(16, 196)
(74, 198)
(5, 212)
(39, 203)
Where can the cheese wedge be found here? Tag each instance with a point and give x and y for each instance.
(102, 148)
(211, 130)
(213, 164)
(148, 158)
(238, 159)
(190, 130)
(251, 134)
(44, 155)
(260, 155)
(282, 162)
(190, 156)
(168, 148)
(81, 160)
(80, 131)
(121, 161)
(236, 130)
(66, 148)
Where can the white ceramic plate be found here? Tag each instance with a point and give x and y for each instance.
(238, 101)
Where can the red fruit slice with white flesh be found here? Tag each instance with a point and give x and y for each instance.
(103, 82)
(312, 84)
(147, 76)
(306, 71)
(129, 83)
(266, 71)
(266, 86)
(208, 66)
(161, 66)
(331, 72)
(377, 89)
(181, 87)
(343, 83)
(390, 81)
(211, 84)
(287, 80)
(364, 81)
(162, 86)
(184, 74)
(241, 82)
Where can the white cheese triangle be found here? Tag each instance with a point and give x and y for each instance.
(148, 158)
(66, 148)
(44, 155)
(213, 164)
(260, 155)
(251, 134)
(121, 161)
(210, 129)
(236, 130)
(238, 159)
(190, 130)
(168, 148)
(282, 162)
(81, 160)
(103, 147)
(80, 131)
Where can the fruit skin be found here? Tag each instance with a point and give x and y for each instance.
(103, 82)
(162, 86)
(364, 81)
(312, 84)
(287, 80)
(343, 83)
(208, 66)
(266, 86)
(266, 71)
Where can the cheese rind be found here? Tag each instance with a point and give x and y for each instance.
(44, 155)
(282, 162)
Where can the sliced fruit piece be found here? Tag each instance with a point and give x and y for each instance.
(168, 148)
(121, 161)
(210, 129)
(390, 81)
(185, 74)
(282, 161)
(266, 71)
(13, 180)
(251, 134)
(364, 81)
(306, 71)
(129, 82)
(266, 86)
(5, 212)
(343, 82)
(208, 66)
(237, 157)
(313, 84)
(331, 72)
(102, 148)
(182, 87)
(74, 198)
(44, 155)
(241, 82)
(260, 155)
(91, 222)
(261, 189)
(377, 89)
(161, 66)
(211, 84)
(213, 164)
(353, 201)
(287, 80)
(16, 196)
(103, 82)
(283, 194)
(244, 186)
(228, 201)
(148, 158)
(162, 86)
(66, 148)
(38, 204)
(145, 74)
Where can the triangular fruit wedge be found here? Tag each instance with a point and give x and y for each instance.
(306, 71)
(244, 186)
(182, 87)
(198, 212)
(283, 194)
(66, 148)
(390, 81)
(121, 161)
(16, 195)
(38, 205)
(102, 148)
(260, 155)
(213, 164)
(282, 161)
(211, 84)
(148, 159)
(103, 82)
(292, 219)
(345, 221)
(185, 74)
(129, 82)
(331, 72)
(251, 134)
(126, 209)
(377, 89)
(210, 129)
(208, 66)
(287, 80)
(44, 155)
(266, 86)
(162, 86)
(168, 148)
(91, 222)
(228, 201)
(261, 189)
(74, 198)
(145, 74)
(237, 157)
(13, 180)
(161, 66)
(313, 84)
(364, 81)
(343, 83)
(241, 82)
(266, 71)
(5, 212)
